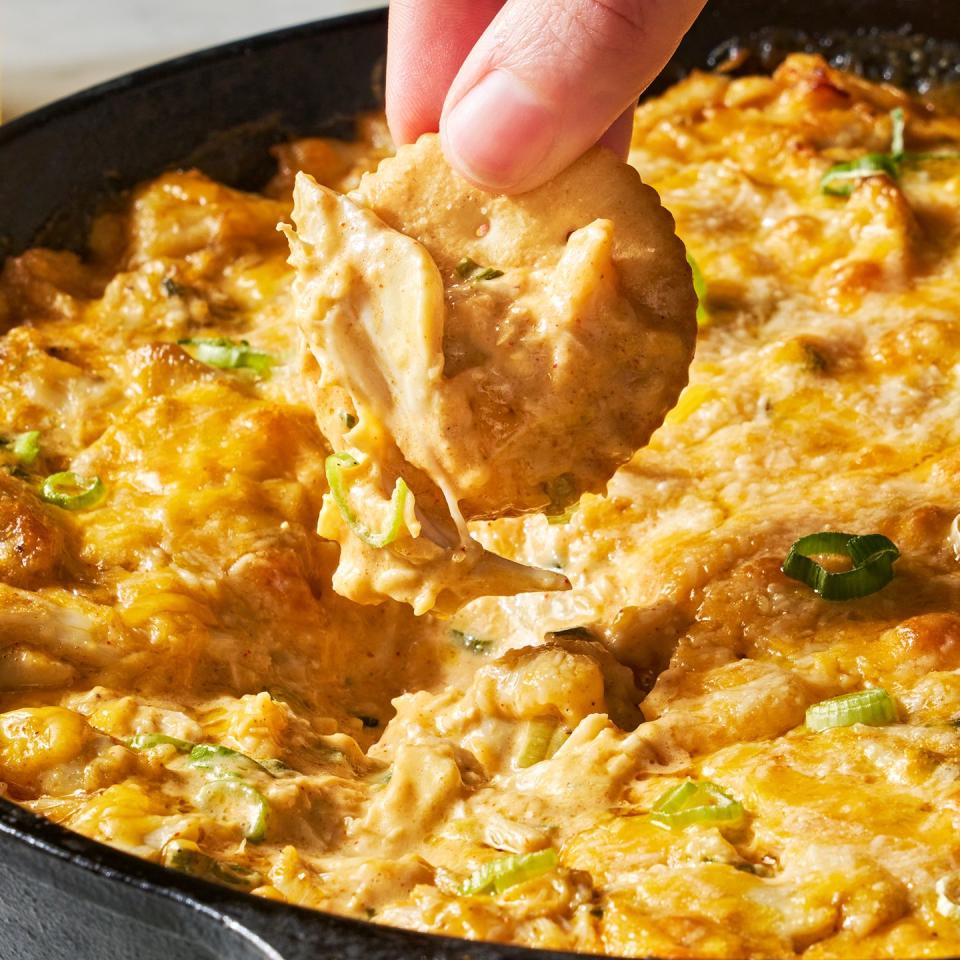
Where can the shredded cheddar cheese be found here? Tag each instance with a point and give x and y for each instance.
(393, 767)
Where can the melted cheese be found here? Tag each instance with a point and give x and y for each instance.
(195, 600)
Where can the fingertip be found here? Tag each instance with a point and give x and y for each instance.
(428, 41)
(499, 133)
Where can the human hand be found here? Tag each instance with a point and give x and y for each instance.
(520, 89)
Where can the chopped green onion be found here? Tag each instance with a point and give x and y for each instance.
(898, 124)
(472, 642)
(147, 741)
(948, 896)
(469, 268)
(505, 872)
(695, 802)
(185, 856)
(233, 801)
(489, 273)
(873, 707)
(564, 494)
(872, 556)
(537, 737)
(222, 761)
(841, 179)
(25, 447)
(229, 354)
(700, 289)
(335, 465)
(72, 492)
(542, 739)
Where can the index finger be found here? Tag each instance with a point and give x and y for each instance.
(427, 44)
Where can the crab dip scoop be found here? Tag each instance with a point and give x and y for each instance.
(472, 356)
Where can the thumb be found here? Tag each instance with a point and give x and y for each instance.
(547, 79)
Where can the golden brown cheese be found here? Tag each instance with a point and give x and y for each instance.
(194, 600)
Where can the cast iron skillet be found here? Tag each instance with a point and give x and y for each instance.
(62, 895)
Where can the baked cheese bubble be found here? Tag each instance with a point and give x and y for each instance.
(473, 356)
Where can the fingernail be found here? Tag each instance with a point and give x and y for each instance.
(499, 132)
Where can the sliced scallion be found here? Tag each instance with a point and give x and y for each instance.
(872, 556)
(71, 491)
(898, 124)
(488, 273)
(700, 289)
(842, 178)
(695, 802)
(468, 268)
(227, 354)
(873, 707)
(335, 465)
(222, 761)
(537, 735)
(147, 741)
(564, 495)
(185, 856)
(471, 642)
(498, 875)
(233, 801)
(25, 447)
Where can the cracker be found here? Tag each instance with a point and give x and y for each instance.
(563, 365)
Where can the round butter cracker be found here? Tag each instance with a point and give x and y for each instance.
(569, 328)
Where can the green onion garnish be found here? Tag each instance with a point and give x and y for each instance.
(71, 491)
(564, 495)
(873, 707)
(222, 761)
(898, 124)
(695, 802)
(469, 268)
(229, 354)
(841, 179)
(471, 642)
(186, 857)
(335, 464)
(233, 801)
(872, 556)
(25, 447)
(505, 872)
(146, 741)
(542, 739)
(700, 289)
